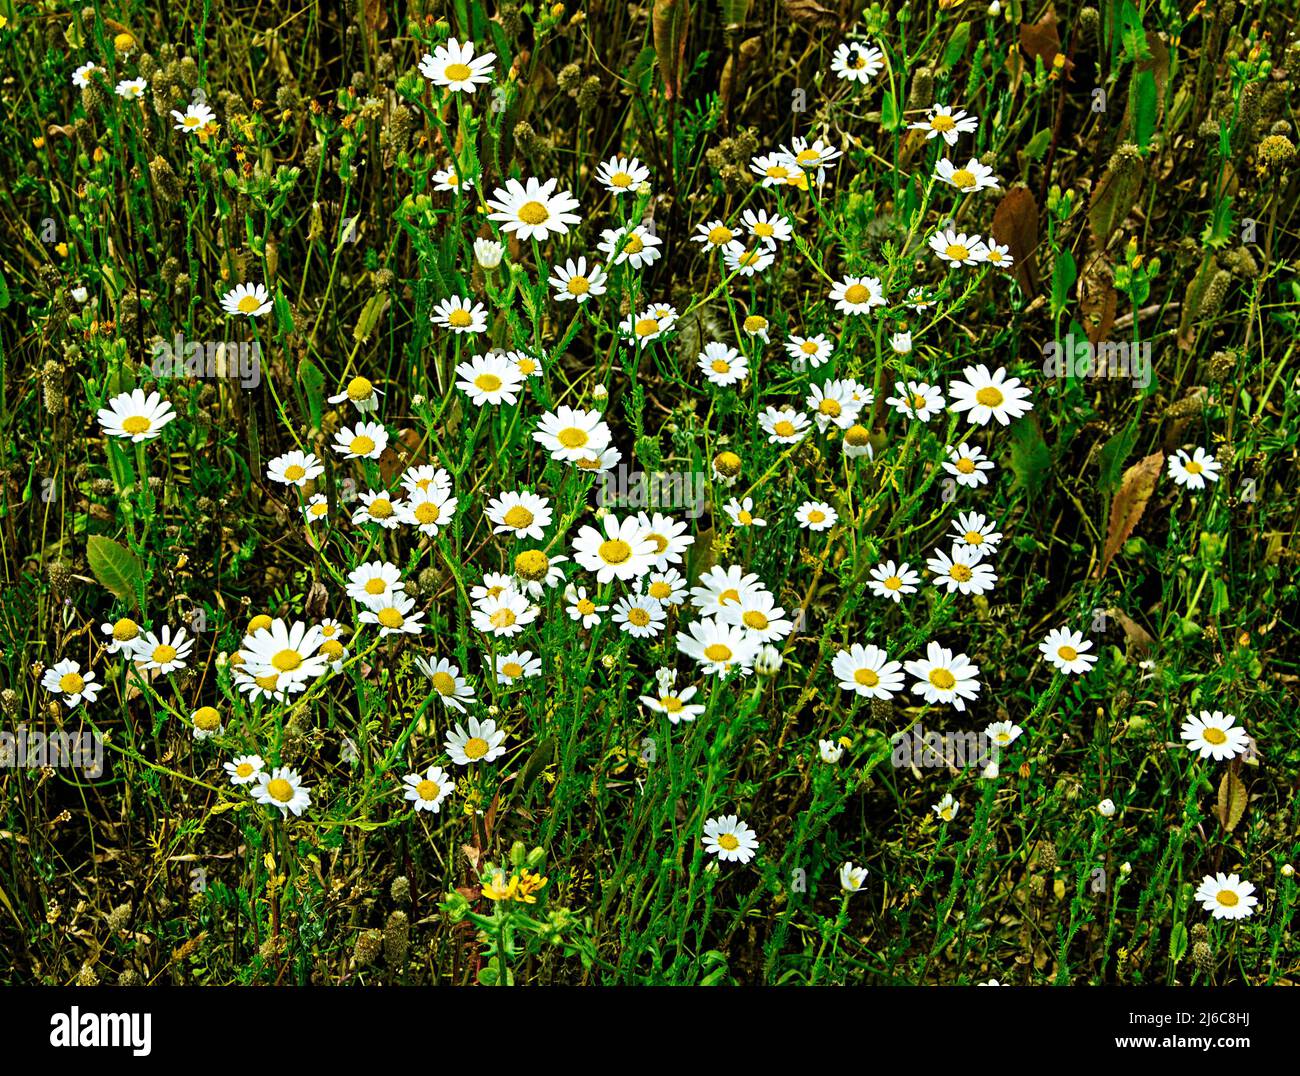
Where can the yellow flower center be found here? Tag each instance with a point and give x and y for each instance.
(720, 236)
(444, 683)
(163, 654)
(512, 669)
(731, 595)
(361, 445)
(615, 551)
(390, 617)
(756, 620)
(957, 252)
(620, 179)
(866, 677)
(942, 679)
(380, 508)
(475, 747)
(244, 769)
(989, 396)
(136, 424)
(963, 178)
(755, 323)
(717, 652)
(518, 517)
(359, 389)
(728, 841)
(459, 319)
(816, 516)
(974, 538)
(457, 72)
(125, 630)
(892, 583)
(487, 382)
(830, 407)
(572, 437)
(661, 590)
(533, 213)
(427, 790)
(857, 294)
(332, 649)
(280, 790)
(744, 518)
(207, 719)
(634, 245)
(661, 543)
(287, 660)
(960, 572)
(784, 428)
(1227, 898)
(857, 435)
(672, 704)
(720, 366)
(427, 512)
(248, 303)
(966, 466)
(586, 606)
(525, 364)
(943, 123)
(294, 472)
(638, 617)
(808, 347)
(646, 326)
(532, 564)
(503, 618)
(1067, 653)
(577, 285)
(776, 171)
(71, 683)
(375, 586)
(267, 683)
(1192, 467)
(1214, 736)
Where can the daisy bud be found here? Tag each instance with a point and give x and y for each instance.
(488, 253)
(608, 661)
(1287, 870)
(1126, 868)
(769, 661)
(1106, 808)
(727, 464)
(599, 392)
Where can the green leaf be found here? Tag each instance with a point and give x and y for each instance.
(313, 383)
(1146, 107)
(956, 47)
(1037, 146)
(116, 567)
(889, 118)
(1177, 942)
(1113, 454)
(1064, 274)
(1030, 458)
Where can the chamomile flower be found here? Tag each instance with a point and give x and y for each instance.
(767, 229)
(525, 365)
(757, 612)
(916, 399)
(378, 507)
(893, 581)
(425, 478)
(619, 175)
(971, 177)
(575, 281)
(728, 838)
(243, 769)
(447, 179)
(427, 791)
(623, 551)
(972, 530)
(1066, 650)
(741, 513)
(813, 156)
(944, 676)
(833, 403)
(295, 468)
(166, 652)
(373, 580)
(494, 585)
(1002, 733)
(638, 246)
(289, 650)
(830, 751)
(816, 516)
(504, 614)
(639, 615)
(968, 465)
(394, 615)
(852, 878)
(523, 515)
(901, 343)
(946, 808)
(868, 672)
(646, 326)
(195, 119)
(81, 76)
(857, 442)
(814, 350)
(477, 741)
(582, 608)
(989, 396)
(452, 689)
(282, 789)
(721, 586)
(205, 723)
(755, 325)
(718, 648)
(135, 415)
(857, 294)
(361, 393)
(714, 235)
(66, 678)
(489, 379)
(675, 704)
(775, 169)
(455, 66)
(460, 315)
(517, 665)
(957, 248)
(665, 585)
(746, 261)
(365, 440)
(856, 62)
(722, 364)
(536, 572)
(570, 434)
(998, 256)
(318, 507)
(131, 89)
(428, 511)
(122, 634)
(942, 122)
(250, 300)
(533, 210)
(671, 537)
(599, 462)
(1227, 896)
(1215, 735)
(1195, 470)
(785, 426)
(961, 570)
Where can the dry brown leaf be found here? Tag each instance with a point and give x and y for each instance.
(1015, 225)
(1232, 800)
(1098, 299)
(809, 13)
(1135, 489)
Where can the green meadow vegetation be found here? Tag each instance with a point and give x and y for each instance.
(688, 493)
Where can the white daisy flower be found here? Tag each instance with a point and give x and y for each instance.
(868, 672)
(857, 294)
(728, 838)
(856, 442)
(394, 615)
(768, 229)
(122, 634)
(1195, 470)
(455, 66)
(757, 612)
(718, 648)
(428, 511)
(452, 689)
(640, 616)
(968, 179)
(283, 789)
(487, 252)
(666, 586)
(132, 89)
(816, 516)
(378, 507)
(570, 434)
(785, 426)
(489, 379)
(722, 364)
(66, 678)
(671, 537)
(447, 179)
(295, 468)
(741, 513)
(426, 792)
(775, 169)
(714, 234)
(961, 570)
(814, 350)
(830, 751)
(504, 614)
(374, 580)
(852, 878)
(720, 586)
(833, 403)
(998, 256)
(361, 393)
(968, 464)
(205, 723)
(481, 741)
(746, 261)
(947, 807)
(1227, 896)
(574, 281)
(81, 76)
(675, 704)
(944, 676)
(165, 652)
(1002, 733)
(916, 399)
(890, 581)
(517, 665)
(958, 248)
(250, 300)
(619, 175)
(243, 769)
(972, 530)
(365, 440)
(624, 551)
(856, 62)
(581, 608)
(460, 315)
(1215, 735)
(425, 478)
(135, 415)
(942, 122)
(195, 118)
(533, 210)
(989, 396)
(523, 514)
(1065, 649)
